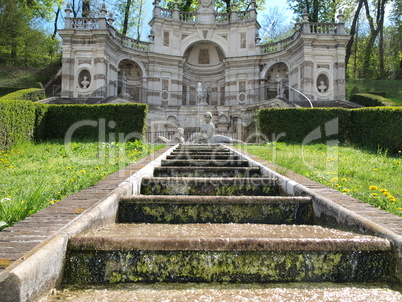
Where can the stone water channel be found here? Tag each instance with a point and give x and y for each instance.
(210, 226)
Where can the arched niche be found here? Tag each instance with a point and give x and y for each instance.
(277, 79)
(130, 80)
(204, 62)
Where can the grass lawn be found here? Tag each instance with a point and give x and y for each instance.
(375, 178)
(34, 176)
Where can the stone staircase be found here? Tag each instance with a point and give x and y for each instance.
(207, 216)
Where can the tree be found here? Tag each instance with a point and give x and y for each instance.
(275, 25)
(376, 24)
(318, 10)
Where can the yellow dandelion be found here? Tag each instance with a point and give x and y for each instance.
(397, 162)
(375, 169)
(334, 179)
(68, 168)
(373, 195)
(386, 194)
(373, 188)
(97, 168)
(391, 198)
(83, 171)
(383, 190)
(344, 179)
(345, 190)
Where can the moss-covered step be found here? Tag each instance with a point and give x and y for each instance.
(226, 253)
(209, 186)
(215, 209)
(207, 172)
(204, 163)
(196, 156)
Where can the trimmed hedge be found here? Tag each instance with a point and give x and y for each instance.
(371, 100)
(302, 125)
(95, 122)
(31, 94)
(19, 121)
(379, 127)
(373, 128)
(6, 90)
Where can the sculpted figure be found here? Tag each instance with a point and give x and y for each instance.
(177, 138)
(207, 130)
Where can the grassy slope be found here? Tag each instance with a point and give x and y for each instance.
(393, 88)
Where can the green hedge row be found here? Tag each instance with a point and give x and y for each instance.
(374, 128)
(108, 122)
(379, 127)
(26, 120)
(299, 125)
(19, 121)
(371, 100)
(31, 94)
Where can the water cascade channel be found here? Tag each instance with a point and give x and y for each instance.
(208, 226)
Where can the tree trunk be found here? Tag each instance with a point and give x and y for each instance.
(55, 23)
(353, 32)
(126, 17)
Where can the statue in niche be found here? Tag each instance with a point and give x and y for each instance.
(177, 138)
(322, 88)
(85, 83)
(202, 94)
(279, 86)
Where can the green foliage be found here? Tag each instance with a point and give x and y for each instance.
(6, 90)
(393, 88)
(19, 121)
(373, 128)
(95, 122)
(378, 127)
(370, 100)
(32, 94)
(372, 177)
(35, 176)
(21, 44)
(298, 125)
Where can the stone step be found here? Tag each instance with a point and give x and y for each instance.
(226, 186)
(226, 253)
(206, 172)
(257, 292)
(196, 156)
(216, 209)
(204, 163)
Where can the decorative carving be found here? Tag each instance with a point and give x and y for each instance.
(243, 40)
(166, 37)
(85, 61)
(205, 33)
(203, 56)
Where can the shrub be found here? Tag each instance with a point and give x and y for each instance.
(373, 128)
(303, 125)
(19, 121)
(104, 122)
(378, 127)
(371, 100)
(31, 94)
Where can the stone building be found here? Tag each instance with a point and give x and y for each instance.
(202, 61)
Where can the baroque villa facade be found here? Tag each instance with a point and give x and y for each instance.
(202, 61)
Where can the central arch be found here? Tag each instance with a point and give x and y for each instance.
(204, 62)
